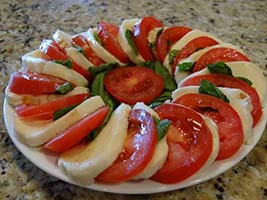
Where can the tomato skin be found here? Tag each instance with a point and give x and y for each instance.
(33, 83)
(221, 54)
(168, 38)
(53, 51)
(191, 47)
(189, 141)
(74, 134)
(229, 123)
(133, 84)
(46, 111)
(108, 33)
(81, 41)
(231, 82)
(140, 34)
(138, 149)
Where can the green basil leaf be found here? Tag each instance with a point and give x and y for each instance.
(249, 82)
(186, 66)
(172, 55)
(64, 88)
(220, 68)
(129, 37)
(208, 88)
(162, 127)
(97, 38)
(62, 112)
(101, 68)
(67, 63)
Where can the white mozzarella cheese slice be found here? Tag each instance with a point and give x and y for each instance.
(160, 153)
(184, 40)
(84, 162)
(239, 100)
(34, 62)
(63, 39)
(36, 134)
(128, 24)
(100, 51)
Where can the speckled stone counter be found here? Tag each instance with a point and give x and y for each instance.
(23, 24)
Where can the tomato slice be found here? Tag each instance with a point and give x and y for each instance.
(108, 33)
(46, 111)
(53, 51)
(140, 34)
(191, 47)
(74, 134)
(221, 54)
(133, 84)
(81, 41)
(189, 141)
(33, 83)
(231, 82)
(229, 123)
(168, 38)
(138, 149)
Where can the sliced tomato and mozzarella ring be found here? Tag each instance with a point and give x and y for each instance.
(189, 140)
(87, 160)
(229, 123)
(38, 133)
(224, 52)
(137, 151)
(160, 153)
(125, 38)
(140, 34)
(35, 61)
(239, 100)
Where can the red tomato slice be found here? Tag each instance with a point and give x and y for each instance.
(229, 123)
(46, 111)
(138, 149)
(74, 134)
(108, 35)
(168, 38)
(133, 84)
(221, 54)
(189, 141)
(81, 41)
(140, 34)
(53, 51)
(33, 83)
(191, 47)
(231, 82)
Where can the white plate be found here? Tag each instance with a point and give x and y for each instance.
(48, 163)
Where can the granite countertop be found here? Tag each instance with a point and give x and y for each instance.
(23, 24)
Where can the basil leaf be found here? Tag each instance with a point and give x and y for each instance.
(249, 82)
(101, 68)
(129, 37)
(172, 55)
(64, 88)
(61, 112)
(219, 68)
(97, 38)
(208, 88)
(162, 127)
(67, 63)
(165, 95)
(186, 66)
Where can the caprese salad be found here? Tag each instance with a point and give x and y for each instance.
(136, 101)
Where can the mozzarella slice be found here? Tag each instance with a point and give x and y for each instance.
(36, 134)
(179, 75)
(241, 69)
(84, 162)
(239, 100)
(16, 99)
(34, 62)
(184, 40)
(160, 153)
(152, 38)
(100, 51)
(128, 24)
(63, 39)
